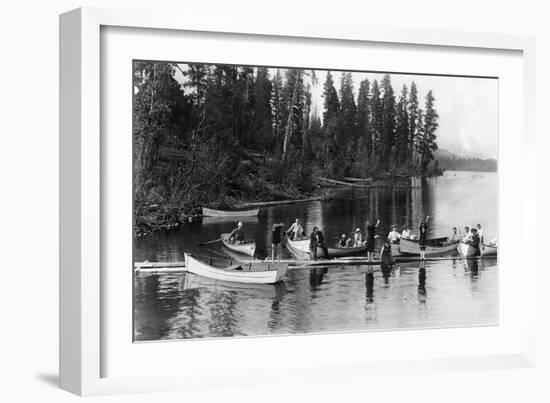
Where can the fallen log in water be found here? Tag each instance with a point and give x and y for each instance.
(349, 179)
(277, 202)
(342, 183)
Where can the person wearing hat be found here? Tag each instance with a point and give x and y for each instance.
(357, 238)
(394, 236)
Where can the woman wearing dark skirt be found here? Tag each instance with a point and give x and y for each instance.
(371, 233)
(422, 235)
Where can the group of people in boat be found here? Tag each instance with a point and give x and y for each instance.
(472, 236)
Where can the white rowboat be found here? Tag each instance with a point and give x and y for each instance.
(244, 248)
(488, 250)
(434, 247)
(300, 248)
(251, 273)
(208, 212)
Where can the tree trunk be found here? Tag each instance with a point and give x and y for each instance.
(289, 125)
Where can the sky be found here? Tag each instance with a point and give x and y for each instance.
(467, 107)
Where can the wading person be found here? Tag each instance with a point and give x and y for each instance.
(394, 236)
(422, 236)
(276, 232)
(357, 238)
(371, 233)
(296, 231)
(237, 235)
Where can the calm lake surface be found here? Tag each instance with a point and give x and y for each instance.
(351, 298)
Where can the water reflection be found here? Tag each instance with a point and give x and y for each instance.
(316, 277)
(442, 293)
(422, 295)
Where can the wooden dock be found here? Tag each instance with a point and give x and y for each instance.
(179, 267)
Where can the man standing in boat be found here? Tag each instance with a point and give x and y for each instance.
(394, 236)
(371, 233)
(296, 231)
(237, 235)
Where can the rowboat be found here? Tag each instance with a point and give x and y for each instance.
(434, 247)
(466, 250)
(488, 250)
(247, 248)
(250, 273)
(208, 212)
(301, 249)
(225, 220)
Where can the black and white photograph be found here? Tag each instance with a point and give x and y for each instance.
(273, 200)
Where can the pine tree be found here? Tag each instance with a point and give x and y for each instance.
(428, 143)
(347, 128)
(331, 113)
(278, 110)
(387, 139)
(375, 118)
(294, 90)
(413, 112)
(402, 129)
(262, 108)
(362, 122)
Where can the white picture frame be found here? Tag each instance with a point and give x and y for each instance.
(82, 186)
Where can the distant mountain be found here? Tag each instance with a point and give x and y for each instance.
(446, 160)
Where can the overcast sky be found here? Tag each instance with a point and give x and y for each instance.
(467, 107)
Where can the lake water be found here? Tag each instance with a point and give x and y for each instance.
(351, 298)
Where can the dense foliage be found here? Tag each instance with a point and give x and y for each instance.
(218, 134)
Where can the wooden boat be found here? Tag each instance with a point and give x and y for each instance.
(244, 248)
(301, 249)
(434, 247)
(225, 220)
(251, 273)
(208, 212)
(488, 250)
(466, 250)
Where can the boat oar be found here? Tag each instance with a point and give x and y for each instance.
(209, 242)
